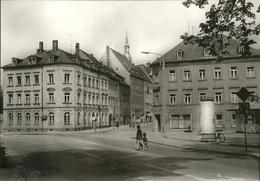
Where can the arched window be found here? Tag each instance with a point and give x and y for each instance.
(66, 118)
(36, 118)
(19, 118)
(51, 118)
(28, 118)
(10, 118)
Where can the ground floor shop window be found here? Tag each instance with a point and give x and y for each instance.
(180, 121)
(219, 121)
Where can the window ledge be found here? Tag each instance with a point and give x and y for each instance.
(27, 104)
(18, 104)
(234, 78)
(67, 83)
(67, 102)
(36, 84)
(172, 81)
(251, 77)
(50, 102)
(19, 86)
(27, 85)
(186, 80)
(217, 79)
(10, 86)
(50, 83)
(202, 79)
(10, 104)
(36, 103)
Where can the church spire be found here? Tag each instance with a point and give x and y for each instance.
(127, 53)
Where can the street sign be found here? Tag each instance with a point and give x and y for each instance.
(243, 94)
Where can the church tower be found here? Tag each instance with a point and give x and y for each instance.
(127, 53)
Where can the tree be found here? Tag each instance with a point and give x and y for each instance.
(225, 19)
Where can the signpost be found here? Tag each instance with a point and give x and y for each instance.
(244, 107)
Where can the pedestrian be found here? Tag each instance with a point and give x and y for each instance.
(138, 137)
(145, 142)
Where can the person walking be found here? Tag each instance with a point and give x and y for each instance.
(139, 137)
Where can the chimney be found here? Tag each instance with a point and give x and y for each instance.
(55, 45)
(77, 49)
(40, 50)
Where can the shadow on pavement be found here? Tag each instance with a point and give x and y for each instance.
(93, 164)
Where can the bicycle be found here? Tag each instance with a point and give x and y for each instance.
(219, 135)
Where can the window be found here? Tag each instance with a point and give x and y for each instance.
(27, 118)
(233, 72)
(250, 71)
(27, 80)
(203, 95)
(19, 118)
(102, 84)
(10, 98)
(51, 79)
(36, 118)
(51, 118)
(240, 49)
(93, 83)
(217, 73)
(180, 54)
(36, 99)
(85, 98)
(202, 74)
(89, 98)
(27, 99)
(97, 83)
(93, 99)
(219, 121)
(19, 99)
(97, 99)
(187, 98)
(234, 97)
(218, 97)
(51, 59)
(36, 79)
(19, 80)
(85, 81)
(78, 118)
(156, 99)
(66, 78)
(51, 97)
(187, 75)
(10, 119)
(89, 82)
(156, 77)
(67, 97)
(233, 120)
(66, 118)
(172, 75)
(10, 81)
(78, 79)
(78, 97)
(172, 99)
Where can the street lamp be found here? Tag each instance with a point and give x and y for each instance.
(163, 91)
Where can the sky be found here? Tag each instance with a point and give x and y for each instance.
(153, 26)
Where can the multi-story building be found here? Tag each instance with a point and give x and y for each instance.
(134, 77)
(187, 73)
(56, 90)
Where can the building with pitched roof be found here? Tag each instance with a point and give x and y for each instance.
(135, 77)
(57, 90)
(189, 74)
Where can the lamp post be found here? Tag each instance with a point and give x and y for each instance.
(163, 91)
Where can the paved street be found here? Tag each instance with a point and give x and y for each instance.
(109, 155)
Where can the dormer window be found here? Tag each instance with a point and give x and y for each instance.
(206, 52)
(14, 61)
(51, 59)
(240, 49)
(179, 54)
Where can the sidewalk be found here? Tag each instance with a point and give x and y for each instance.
(191, 141)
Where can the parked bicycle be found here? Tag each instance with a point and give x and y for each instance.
(219, 135)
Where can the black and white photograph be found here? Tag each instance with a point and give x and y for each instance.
(130, 90)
